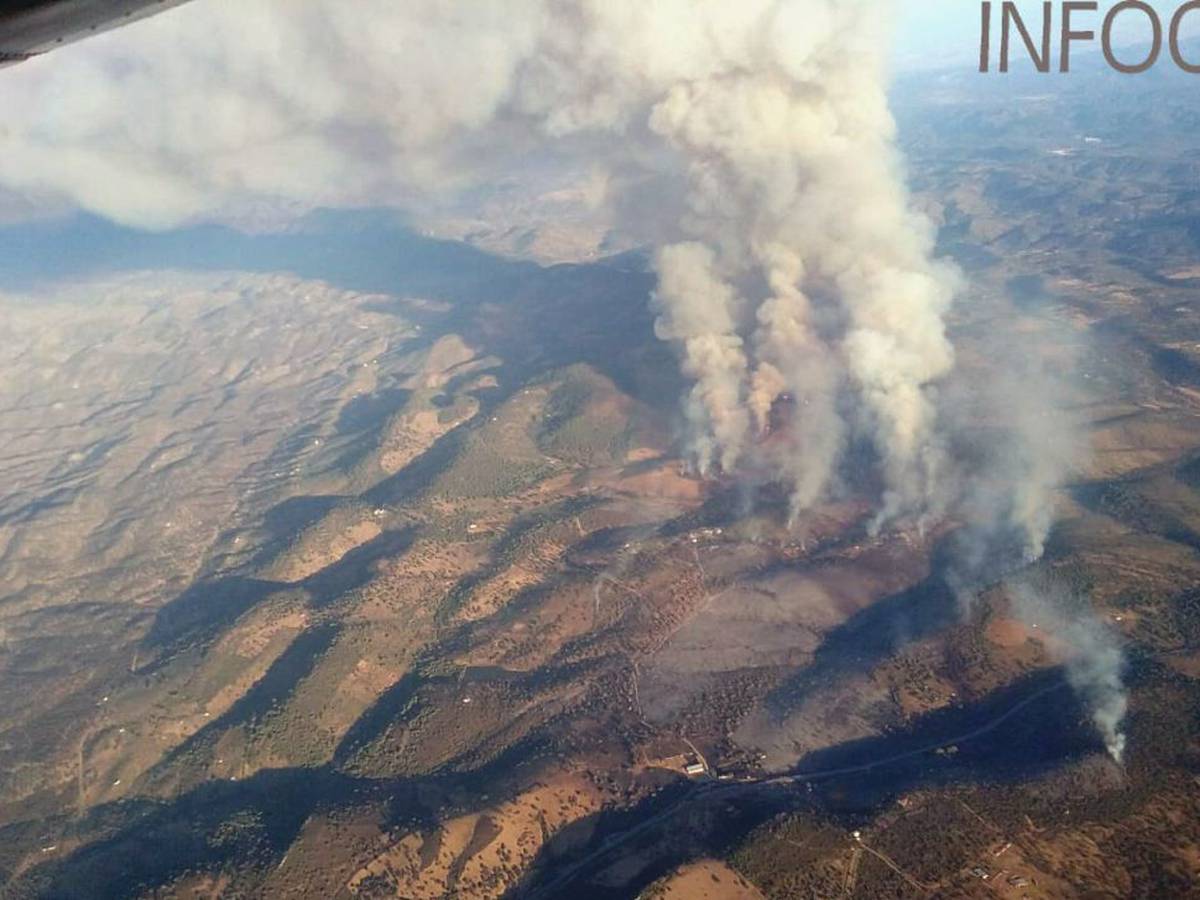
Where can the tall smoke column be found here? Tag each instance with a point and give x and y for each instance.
(1094, 661)
(793, 358)
(795, 185)
(1024, 448)
(699, 314)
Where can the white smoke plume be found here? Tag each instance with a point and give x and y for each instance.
(1093, 658)
(1018, 444)
(795, 184)
(1027, 447)
(794, 263)
(698, 313)
(792, 358)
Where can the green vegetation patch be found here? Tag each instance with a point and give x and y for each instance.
(585, 420)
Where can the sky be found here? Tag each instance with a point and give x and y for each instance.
(931, 33)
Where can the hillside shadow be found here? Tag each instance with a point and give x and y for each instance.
(357, 567)
(197, 616)
(360, 250)
(1019, 732)
(268, 693)
(536, 316)
(249, 824)
(293, 515)
(138, 846)
(869, 637)
(884, 628)
(1123, 499)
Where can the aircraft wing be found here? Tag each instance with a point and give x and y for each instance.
(30, 27)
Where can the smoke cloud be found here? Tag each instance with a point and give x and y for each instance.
(795, 187)
(791, 265)
(752, 137)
